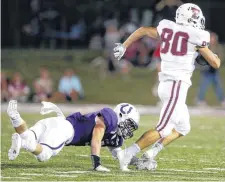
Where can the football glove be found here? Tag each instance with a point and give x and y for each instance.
(119, 51)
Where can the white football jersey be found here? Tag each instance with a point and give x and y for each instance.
(177, 49)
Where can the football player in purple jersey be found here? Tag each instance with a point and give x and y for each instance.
(47, 137)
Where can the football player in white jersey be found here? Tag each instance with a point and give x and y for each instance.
(181, 42)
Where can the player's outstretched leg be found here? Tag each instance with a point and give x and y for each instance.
(19, 125)
(15, 146)
(23, 137)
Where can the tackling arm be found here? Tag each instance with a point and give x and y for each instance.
(97, 136)
(139, 33)
(96, 140)
(210, 57)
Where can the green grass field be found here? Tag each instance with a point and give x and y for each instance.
(200, 156)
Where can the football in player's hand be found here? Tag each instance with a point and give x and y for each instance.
(201, 60)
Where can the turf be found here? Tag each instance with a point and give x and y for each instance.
(200, 156)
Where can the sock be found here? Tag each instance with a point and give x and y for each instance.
(133, 149)
(155, 149)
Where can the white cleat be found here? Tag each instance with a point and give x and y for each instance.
(149, 165)
(102, 169)
(146, 156)
(14, 115)
(147, 162)
(12, 110)
(124, 168)
(124, 159)
(15, 147)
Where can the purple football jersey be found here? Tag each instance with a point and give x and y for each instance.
(84, 124)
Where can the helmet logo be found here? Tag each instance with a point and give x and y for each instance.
(195, 12)
(123, 106)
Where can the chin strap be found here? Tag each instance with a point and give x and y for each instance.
(49, 107)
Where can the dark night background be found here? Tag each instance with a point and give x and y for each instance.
(17, 13)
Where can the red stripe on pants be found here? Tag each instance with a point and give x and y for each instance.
(168, 105)
(174, 104)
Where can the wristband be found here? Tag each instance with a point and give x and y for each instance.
(95, 161)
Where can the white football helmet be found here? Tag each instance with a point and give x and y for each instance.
(128, 119)
(189, 14)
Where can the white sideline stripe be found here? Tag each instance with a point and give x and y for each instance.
(31, 174)
(189, 171)
(83, 155)
(71, 172)
(206, 161)
(108, 174)
(8, 177)
(183, 160)
(215, 169)
(56, 175)
(179, 178)
(166, 159)
(63, 175)
(193, 147)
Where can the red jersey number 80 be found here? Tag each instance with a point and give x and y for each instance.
(179, 45)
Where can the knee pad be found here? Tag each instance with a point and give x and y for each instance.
(45, 154)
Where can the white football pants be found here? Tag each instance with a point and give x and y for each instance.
(53, 133)
(174, 113)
